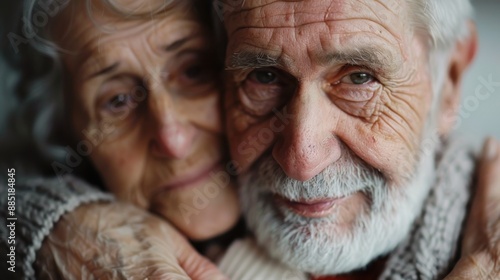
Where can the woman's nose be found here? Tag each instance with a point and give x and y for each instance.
(172, 135)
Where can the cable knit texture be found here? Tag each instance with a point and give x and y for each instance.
(431, 249)
(39, 205)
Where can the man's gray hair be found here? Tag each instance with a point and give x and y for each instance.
(444, 22)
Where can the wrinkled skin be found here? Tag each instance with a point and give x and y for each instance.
(380, 120)
(143, 100)
(119, 241)
(145, 93)
(308, 77)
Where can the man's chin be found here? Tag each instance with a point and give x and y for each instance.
(344, 241)
(319, 246)
(372, 217)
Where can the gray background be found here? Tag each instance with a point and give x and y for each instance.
(480, 117)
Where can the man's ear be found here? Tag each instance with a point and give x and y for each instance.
(460, 59)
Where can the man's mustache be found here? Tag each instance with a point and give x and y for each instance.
(342, 178)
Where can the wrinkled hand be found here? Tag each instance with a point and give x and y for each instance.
(481, 245)
(119, 241)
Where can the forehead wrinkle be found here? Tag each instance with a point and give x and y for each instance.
(381, 19)
(99, 58)
(288, 11)
(301, 13)
(281, 14)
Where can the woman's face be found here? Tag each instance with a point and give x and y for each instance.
(144, 97)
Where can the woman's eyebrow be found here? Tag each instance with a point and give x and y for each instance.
(177, 44)
(105, 70)
(111, 68)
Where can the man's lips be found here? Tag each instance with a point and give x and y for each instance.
(190, 179)
(318, 208)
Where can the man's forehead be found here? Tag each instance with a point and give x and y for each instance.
(288, 13)
(361, 32)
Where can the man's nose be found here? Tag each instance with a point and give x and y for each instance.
(308, 144)
(172, 135)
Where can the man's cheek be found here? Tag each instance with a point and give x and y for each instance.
(387, 154)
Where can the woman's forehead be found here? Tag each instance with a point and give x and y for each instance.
(85, 33)
(104, 18)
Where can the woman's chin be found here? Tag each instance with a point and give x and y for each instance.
(202, 217)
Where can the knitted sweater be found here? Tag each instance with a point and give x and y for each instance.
(39, 205)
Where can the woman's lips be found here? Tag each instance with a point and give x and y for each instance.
(190, 179)
(318, 208)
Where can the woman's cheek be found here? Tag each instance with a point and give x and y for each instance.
(205, 112)
(120, 171)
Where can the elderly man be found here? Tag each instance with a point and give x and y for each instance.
(336, 111)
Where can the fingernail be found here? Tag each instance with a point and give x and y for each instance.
(491, 151)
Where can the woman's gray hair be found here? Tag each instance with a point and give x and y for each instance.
(32, 113)
(31, 89)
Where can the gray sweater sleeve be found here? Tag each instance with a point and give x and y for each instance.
(39, 203)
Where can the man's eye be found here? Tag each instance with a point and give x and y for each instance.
(358, 78)
(263, 77)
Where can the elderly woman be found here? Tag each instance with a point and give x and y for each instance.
(138, 103)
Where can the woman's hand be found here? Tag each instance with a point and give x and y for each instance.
(119, 241)
(481, 244)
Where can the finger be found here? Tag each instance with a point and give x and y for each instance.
(111, 241)
(485, 207)
(478, 266)
(197, 266)
(489, 168)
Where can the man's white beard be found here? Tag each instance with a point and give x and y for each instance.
(319, 245)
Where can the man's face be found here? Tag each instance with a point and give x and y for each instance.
(327, 105)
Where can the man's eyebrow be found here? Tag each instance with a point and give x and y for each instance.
(249, 60)
(105, 70)
(370, 57)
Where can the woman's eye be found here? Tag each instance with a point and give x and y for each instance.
(358, 78)
(119, 102)
(263, 77)
(196, 75)
(194, 72)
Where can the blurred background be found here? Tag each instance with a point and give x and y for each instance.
(480, 109)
